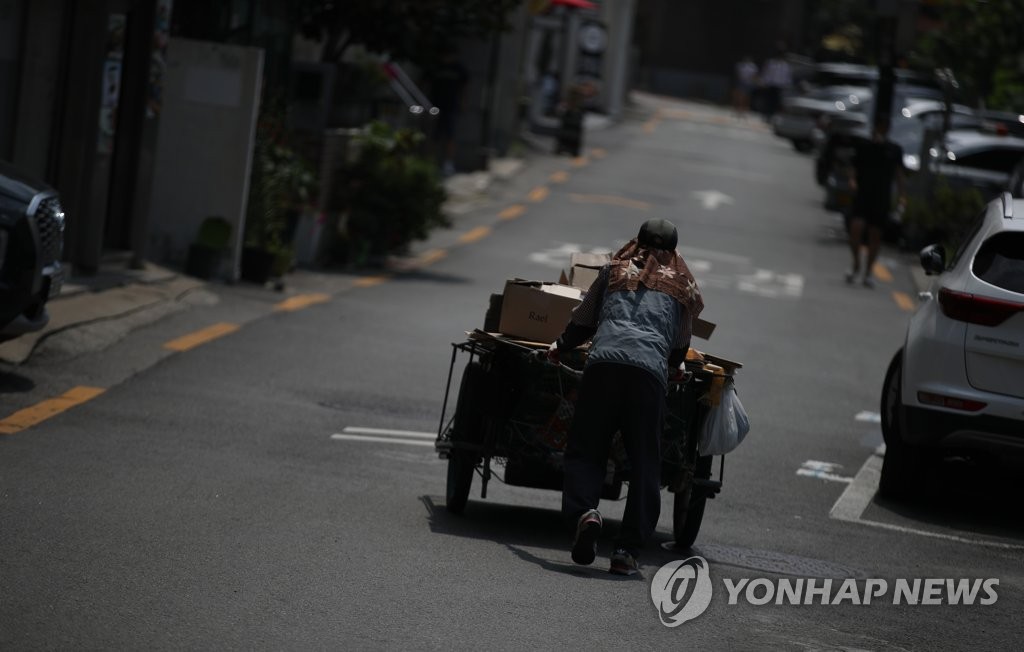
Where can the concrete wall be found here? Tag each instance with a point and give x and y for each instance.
(37, 90)
(11, 12)
(204, 145)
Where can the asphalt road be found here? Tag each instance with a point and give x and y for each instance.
(201, 502)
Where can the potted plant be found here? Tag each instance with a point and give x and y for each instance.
(206, 254)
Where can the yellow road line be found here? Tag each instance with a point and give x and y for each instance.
(881, 272)
(580, 161)
(598, 152)
(370, 281)
(43, 410)
(540, 193)
(432, 256)
(300, 301)
(192, 340)
(512, 212)
(904, 301)
(653, 122)
(560, 176)
(610, 199)
(475, 235)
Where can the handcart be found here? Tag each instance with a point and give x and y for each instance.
(514, 409)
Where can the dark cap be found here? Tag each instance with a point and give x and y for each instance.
(658, 234)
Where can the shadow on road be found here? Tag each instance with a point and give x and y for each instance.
(519, 527)
(12, 383)
(969, 497)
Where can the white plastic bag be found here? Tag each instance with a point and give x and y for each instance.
(725, 425)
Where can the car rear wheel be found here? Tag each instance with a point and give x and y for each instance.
(903, 465)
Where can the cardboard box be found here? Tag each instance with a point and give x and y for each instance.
(702, 329)
(536, 311)
(583, 269)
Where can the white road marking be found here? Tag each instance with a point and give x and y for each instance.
(385, 436)
(859, 494)
(769, 284)
(695, 252)
(711, 199)
(869, 417)
(382, 440)
(353, 430)
(822, 471)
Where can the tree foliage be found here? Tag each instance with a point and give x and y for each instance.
(982, 42)
(414, 30)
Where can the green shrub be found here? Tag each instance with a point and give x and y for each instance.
(392, 196)
(941, 214)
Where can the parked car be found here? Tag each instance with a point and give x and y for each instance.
(975, 159)
(957, 385)
(31, 246)
(801, 115)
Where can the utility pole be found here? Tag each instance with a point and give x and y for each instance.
(886, 27)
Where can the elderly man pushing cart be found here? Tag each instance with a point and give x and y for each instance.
(638, 314)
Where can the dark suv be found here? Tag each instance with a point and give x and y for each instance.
(31, 244)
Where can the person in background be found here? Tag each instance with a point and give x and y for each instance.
(638, 314)
(776, 78)
(877, 166)
(746, 81)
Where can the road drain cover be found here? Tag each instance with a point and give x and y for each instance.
(768, 561)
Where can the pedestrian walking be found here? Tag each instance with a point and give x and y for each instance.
(776, 78)
(638, 314)
(746, 81)
(447, 85)
(877, 167)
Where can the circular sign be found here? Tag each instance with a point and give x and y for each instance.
(593, 38)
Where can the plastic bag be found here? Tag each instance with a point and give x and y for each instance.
(725, 425)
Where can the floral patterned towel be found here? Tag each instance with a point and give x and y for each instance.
(655, 269)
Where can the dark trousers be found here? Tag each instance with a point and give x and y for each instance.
(617, 397)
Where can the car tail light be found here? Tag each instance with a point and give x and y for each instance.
(950, 402)
(973, 309)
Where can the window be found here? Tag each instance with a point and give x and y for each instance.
(1000, 262)
(972, 231)
(993, 160)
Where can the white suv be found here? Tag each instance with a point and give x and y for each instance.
(958, 382)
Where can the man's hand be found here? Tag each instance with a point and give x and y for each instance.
(553, 353)
(676, 375)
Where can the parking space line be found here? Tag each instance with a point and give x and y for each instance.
(387, 432)
(538, 194)
(858, 495)
(903, 300)
(301, 301)
(208, 334)
(51, 407)
(512, 212)
(475, 235)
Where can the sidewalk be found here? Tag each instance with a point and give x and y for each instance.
(117, 292)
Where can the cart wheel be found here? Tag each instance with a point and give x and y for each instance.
(468, 427)
(460, 479)
(688, 508)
